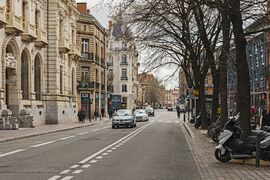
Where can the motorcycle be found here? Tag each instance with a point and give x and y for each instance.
(232, 147)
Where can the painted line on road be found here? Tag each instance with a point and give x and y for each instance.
(108, 147)
(83, 133)
(100, 129)
(64, 138)
(65, 171)
(67, 178)
(43, 144)
(12, 152)
(93, 161)
(86, 166)
(77, 171)
(74, 166)
(54, 177)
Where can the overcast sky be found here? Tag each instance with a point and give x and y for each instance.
(102, 10)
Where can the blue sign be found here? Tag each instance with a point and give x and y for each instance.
(116, 101)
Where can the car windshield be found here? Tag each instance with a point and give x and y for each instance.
(124, 113)
(140, 111)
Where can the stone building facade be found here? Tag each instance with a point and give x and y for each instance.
(92, 69)
(38, 59)
(123, 63)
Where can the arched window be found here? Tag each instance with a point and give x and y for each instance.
(37, 76)
(72, 81)
(124, 59)
(24, 75)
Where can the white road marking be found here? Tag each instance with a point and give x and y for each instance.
(65, 171)
(86, 166)
(114, 148)
(113, 144)
(100, 129)
(105, 154)
(77, 171)
(93, 161)
(54, 177)
(99, 157)
(12, 152)
(109, 151)
(42, 144)
(67, 178)
(64, 138)
(83, 133)
(74, 166)
(168, 121)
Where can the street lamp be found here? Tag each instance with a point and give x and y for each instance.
(142, 97)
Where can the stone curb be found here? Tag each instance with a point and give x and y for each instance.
(190, 132)
(43, 133)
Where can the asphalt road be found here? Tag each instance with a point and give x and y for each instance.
(154, 150)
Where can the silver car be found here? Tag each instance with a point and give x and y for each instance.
(123, 117)
(141, 115)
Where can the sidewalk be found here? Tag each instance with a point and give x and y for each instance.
(202, 150)
(10, 135)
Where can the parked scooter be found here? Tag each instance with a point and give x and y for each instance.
(232, 147)
(198, 121)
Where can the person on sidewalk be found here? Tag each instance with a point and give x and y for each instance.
(81, 116)
(110, 112)
(178, 111)
(102, 111)
(96, 114)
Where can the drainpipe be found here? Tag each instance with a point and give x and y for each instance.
(48, 47)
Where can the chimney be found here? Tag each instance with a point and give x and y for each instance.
(82, 7)
(110, 25)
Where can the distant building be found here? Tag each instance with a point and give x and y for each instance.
(123, 62)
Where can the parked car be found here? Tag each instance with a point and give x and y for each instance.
(141, 115)
(170, 108)
(123, 117)
(150, 110)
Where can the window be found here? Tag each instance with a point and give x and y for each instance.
(61, 79)
(96, 75)
(61, 30)
(111, 45)
(24, 13)
(85, 73)
(124, 72)
(124, 59)
(24, 76)
(124, 88)
(37, 20)
(84, 27)
(124, 45)
(85, 45)
(37, 78)
(110, 62)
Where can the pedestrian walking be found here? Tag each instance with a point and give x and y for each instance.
(178, 111)
(110, 112)
(81, 116)
(102, 111)
(96, 114)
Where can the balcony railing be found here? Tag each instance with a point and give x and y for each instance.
(86, 84)
(123, 63)
(87, 56)
(109, 64)
(124, 78)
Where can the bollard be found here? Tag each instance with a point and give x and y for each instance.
(184, 117)
(258, 149)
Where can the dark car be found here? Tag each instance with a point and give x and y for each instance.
(150, 110)
(123, 117)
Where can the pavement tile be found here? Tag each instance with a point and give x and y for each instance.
(202, 150)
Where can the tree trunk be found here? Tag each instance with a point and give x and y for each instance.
(215, 103)
(243, 84)
(204, 120)
(223, 69)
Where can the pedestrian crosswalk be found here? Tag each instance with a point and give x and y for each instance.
(166, 121)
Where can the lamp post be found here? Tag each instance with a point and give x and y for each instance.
(142, 97)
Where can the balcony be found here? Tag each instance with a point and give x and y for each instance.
(64, 47)
(29, 33)
(123, 63)
(14, 26)
(109, 64)
(97, 59)
(87, 56)
(41, 41)
(124, 78)
(75, 51)
(86, 85)
(3, 21)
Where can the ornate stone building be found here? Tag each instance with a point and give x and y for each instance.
(38, 59)
(92, 69)
(123, 63)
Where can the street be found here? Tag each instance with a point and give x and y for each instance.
(156, 149)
